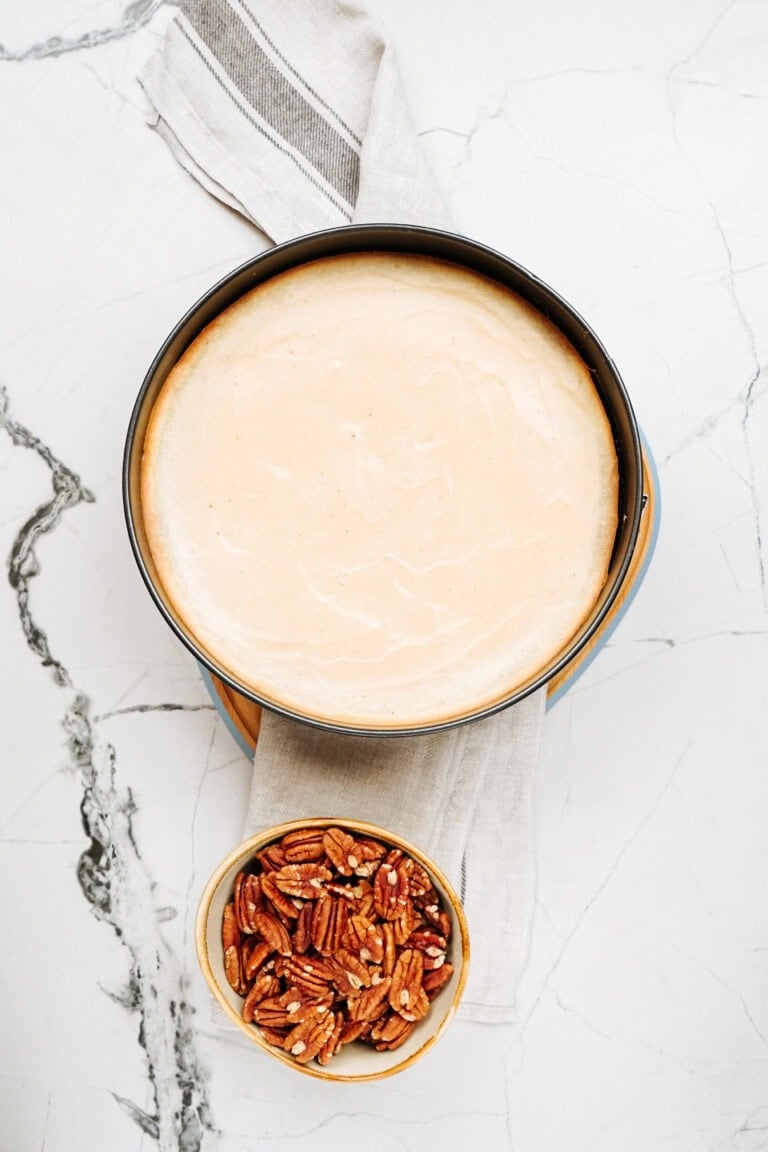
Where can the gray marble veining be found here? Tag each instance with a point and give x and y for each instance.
(110, 871)
(135, 16)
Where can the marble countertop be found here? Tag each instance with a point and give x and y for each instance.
(619, 151)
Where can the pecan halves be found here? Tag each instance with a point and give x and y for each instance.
(332, 938)
(230, 940)
(354, 1030)
(406, 995)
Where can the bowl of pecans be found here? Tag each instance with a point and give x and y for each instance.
(335, 946)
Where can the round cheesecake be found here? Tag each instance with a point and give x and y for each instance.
(380, 490)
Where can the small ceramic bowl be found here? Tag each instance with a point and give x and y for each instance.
(356, 1062)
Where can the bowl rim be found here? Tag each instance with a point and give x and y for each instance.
(308, 248)
(277, 831)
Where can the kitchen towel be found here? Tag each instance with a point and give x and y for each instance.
(294, 114)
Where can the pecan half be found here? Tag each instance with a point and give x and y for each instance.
(354, 1030)
(303, 880)
(264, 988)
(364, 906)
(339, 847)
(354, 967)
(439, 920)
(271, 858)
(390, 954)
(350, 974)
(419, 882)
(390, 889)
(333, 1043)
(314, 975)
(433, 981)
(236, 899)
(257, 953)
(301, 1004)
(350, 856)
(273, 1036)
(390, 1032)
(303, 845)
(406, 995)
(405, 923)
(416, 1010)
(233, 970)
(279, 901)
(302, 936)
(432, 947)
(364, 939)
(271, 1013)
(248, 900)
(273, 932)
(329, 921)
(230, 932)
(368, 853)
(371, 1003)
(308, 1038)
(347, 891)
(371, 849)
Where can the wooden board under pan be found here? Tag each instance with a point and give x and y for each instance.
(243, 717)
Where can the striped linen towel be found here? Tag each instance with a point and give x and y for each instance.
(293, 113)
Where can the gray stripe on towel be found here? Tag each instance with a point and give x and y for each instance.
(337, 203)
(271, 94)
(299, 77)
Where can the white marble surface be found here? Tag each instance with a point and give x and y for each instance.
(618, 150)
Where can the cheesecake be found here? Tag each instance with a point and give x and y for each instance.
(380, 490)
